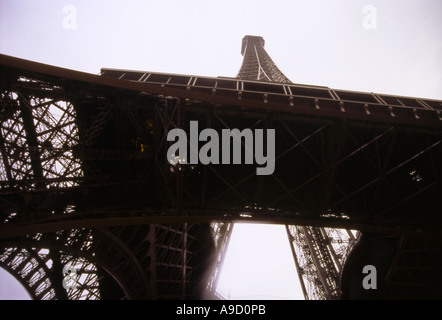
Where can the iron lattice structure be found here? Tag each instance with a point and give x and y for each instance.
(320, 255)
(85, 177)
(257, 64)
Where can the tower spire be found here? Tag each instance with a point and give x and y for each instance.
(257, 64)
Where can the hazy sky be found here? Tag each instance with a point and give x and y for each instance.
(335, 43)
(259, 264)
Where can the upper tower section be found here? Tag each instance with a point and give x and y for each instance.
(257, 64)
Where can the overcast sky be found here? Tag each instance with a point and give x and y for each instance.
(335, 43)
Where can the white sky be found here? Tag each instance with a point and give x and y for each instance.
(318, 42)
(259, 265)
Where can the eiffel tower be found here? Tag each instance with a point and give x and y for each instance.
(91, 208)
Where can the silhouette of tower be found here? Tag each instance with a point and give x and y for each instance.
(257, 64)
(90, 207)
(321, 264)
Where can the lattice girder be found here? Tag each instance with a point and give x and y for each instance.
(89, 152)
(370, 156)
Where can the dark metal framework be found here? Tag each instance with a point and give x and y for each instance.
(57, 162)
(84, 173)
(320, 255)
